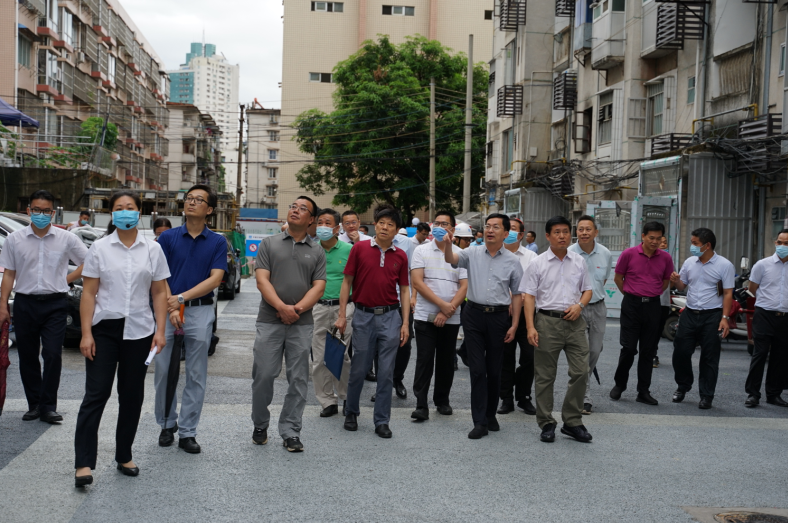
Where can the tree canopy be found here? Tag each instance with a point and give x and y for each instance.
(90, 132)
(374, 146)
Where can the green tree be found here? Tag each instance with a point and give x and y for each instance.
(374, 146)
(90, 132)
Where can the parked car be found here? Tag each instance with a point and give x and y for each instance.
(231, 282)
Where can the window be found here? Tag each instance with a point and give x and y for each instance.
(656, 107)
(25, 47)
(111, 69)
(272, 172)
(67, 26)
(778, 220)
(488, 15)
(490, 146)
(604, 6)
(691, 88)
(399, 10)
(273, 136)
(507, 154)
(782, 59)
(605, 118)
(329, 7)
(271, 190)
(325, 78)
(272, 154)
(491, 86)
(274, 119)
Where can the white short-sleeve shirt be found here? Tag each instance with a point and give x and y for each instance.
(440, 277)
(125, 275)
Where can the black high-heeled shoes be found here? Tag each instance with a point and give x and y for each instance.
(82, 481)
(129, 471)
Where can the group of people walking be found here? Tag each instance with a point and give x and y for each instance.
(322, 277)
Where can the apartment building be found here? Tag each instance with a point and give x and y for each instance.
(262, 157)
(67, 60)
(208, 81)
(195, 147)
(318, 35)
(633, 110)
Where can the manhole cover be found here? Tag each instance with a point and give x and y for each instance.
(749, 517)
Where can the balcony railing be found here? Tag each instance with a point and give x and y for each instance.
(510, 100)
(677, 23)
(669, 142)
(565, 90)
(512, 14)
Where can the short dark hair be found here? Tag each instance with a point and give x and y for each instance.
(587, 218)
(332, 213)
(450, 214)
(315, 208)
(388, 211)
(556, 220)
(213, 199)
(162, 222)
(784, 231)
(705, 236)
(520, 226)
(84, 213)
(532, 233)
(423, 227)
(364, 227)
(42, 194)
(653, 226)
(504, 220)
(349, 213)
(478, 231)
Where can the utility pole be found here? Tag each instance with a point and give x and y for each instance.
(432, 149)
(239, 189)
(466, 186)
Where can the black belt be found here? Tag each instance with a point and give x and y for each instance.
(694, 311)
(378, 310)
(773, 313)
(328, 303)
(643, 299)
(41, 297)
(198, 302)
(553, 314)
(489, 308)
(598, 301)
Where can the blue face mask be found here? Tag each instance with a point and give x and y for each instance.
(512, 238)
(125, 219)
(325, 233)
(479, 240)
(695, 251)
(40, 220)
(782, 251)
(83, 222)
(438, 233)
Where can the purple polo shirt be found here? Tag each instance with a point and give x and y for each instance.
(643, 276)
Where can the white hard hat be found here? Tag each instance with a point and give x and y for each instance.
(402, 231)
(415, 221)
(463, 230)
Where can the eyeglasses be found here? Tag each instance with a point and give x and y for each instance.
(495, 228)
(444, 225)
(197, 201)
(300, 208)
(36, 211)
(350, 224)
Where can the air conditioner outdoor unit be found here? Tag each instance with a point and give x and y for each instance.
(81, 57)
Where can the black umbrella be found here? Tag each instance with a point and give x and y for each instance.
(174, 369)
(596, 375)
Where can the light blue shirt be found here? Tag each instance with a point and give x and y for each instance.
(702, 279)
(532, 247)
(771, 275)
(599, 264)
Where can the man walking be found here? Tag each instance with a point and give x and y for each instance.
(374, 270)
(530, 242)
(441, 290)
(516, 384)
(197, 258)
(769, 284)
(558, 287)
(329, 389)
(598, 264)
(642, 275)
(704, 320)
(37, 258)
(351, 224)
(494, 275)
(291, 275)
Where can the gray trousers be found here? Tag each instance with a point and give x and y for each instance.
(374, 334)
(325, 383)
(596, 319)
(273, 341)
(197, 327)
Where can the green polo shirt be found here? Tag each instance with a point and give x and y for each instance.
(336, 260)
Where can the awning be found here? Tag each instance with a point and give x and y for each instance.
(12, 117)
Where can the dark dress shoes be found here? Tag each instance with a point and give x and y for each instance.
(167, 436)
(705, 403)
(615, 393)
(400, 389)
(293, 444)
(421, 414)
(371, 376)
(372, 399)
(647, 398)
(383, 431)
(751, 402)
(82, 481)
(51, 417)
(678, 396)
(31, 414)
(478, 432)
(492, 424)
(527, 406)
(329, 411)
(445, 410)
(350, 422)
(260, 436)
(777, 400)
(189, 445)
(129, 471)
(579, 433)
(548, 433)
(506, 407)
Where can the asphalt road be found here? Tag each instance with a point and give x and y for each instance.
(645, 463)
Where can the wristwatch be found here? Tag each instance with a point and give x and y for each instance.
(180, 299)
(726, 317)
(581, 305)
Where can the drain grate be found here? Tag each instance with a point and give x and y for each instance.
(749, 517)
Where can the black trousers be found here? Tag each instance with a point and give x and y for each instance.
(127, 357)
(639, 326)
(40, 328)
(516, 384)
(403, 354)
(698, 328)
(770, 333)
(434, 350)
(484, 334)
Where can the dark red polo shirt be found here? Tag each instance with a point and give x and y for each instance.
(643, 276)
(376, 274)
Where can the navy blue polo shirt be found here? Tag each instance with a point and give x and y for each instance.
(191, 260)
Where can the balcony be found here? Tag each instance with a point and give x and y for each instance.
(565, 90)
(510, 100)
(608, 40)
(666, 143)
(512, 14)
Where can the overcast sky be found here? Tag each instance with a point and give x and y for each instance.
(248, 32)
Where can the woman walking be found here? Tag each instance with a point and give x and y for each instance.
(122, 271)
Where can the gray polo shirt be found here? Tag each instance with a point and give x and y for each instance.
(491, 279)
(293, 266)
